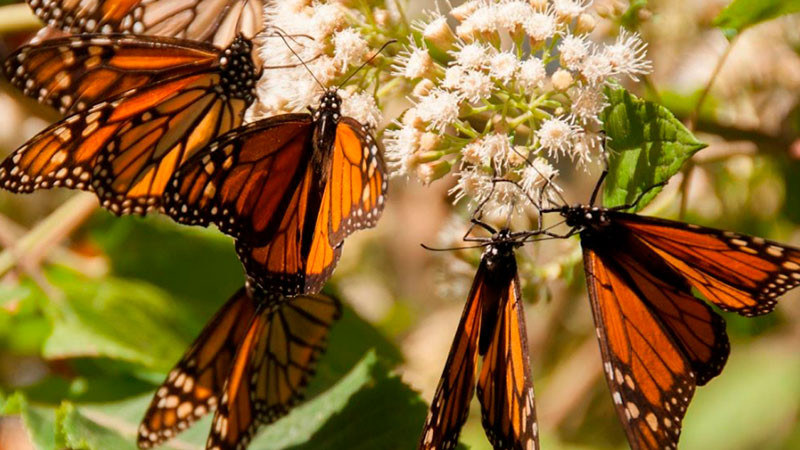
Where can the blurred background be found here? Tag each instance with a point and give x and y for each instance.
(95, 309)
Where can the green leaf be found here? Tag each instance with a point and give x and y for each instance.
(75, 431)
(368, 398)
(38, 422)
(114, 318)
(197, 266)
(740, 14)
(648, 145)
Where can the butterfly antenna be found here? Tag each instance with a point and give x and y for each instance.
(283, 38)
(603, 175)
(371, 58)
(450, 249)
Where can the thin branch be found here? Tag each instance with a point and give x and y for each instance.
(40, 240)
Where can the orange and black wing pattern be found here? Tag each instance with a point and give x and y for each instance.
(658, 341)
(212, 21)
(492, 326)
(76, 72)
(356, 190)
(126, 148)
(195, 385)
(258, 184)
(738, 273)
(450, 405)
(505, 388)
(272, 367)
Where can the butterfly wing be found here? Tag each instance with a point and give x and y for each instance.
(450, 405)
(356, 189)
(738, 273)
(195, 385)
(75, 72)
(272, 367)
(505, 389)
(212, 21)
(657, 341)
(258, 185)
(127, 148)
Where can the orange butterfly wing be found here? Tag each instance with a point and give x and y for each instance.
(75, 72)
(657, 341)
(356, 190)
(505, 389)
(211, 21)
(260, 185)
(195, 385)
(738, 273)
(272, 367)
(450, 405)
(127, 148)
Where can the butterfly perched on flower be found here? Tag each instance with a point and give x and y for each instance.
(213, 21)
(289, 188)
(139, 106)
(492, 326)
(250, 364)
(658, 340)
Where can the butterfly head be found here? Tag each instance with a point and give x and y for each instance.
(585, 216)
(238, 74)
(330, 104)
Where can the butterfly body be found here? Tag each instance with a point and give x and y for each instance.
(289, 188)
(492, 327)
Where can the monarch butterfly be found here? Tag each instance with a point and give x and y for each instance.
(140, 106)
(250, 362)
(213, 21)
(289, 188)
(492, 326)
(657, 339)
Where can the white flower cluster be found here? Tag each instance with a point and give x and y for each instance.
(330, 39)
(513, 88)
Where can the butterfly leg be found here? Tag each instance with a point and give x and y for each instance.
(638, 197)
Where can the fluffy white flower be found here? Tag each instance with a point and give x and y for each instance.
(532, 73)
(464, 10)
(512, 14)
(439, 108)
(453, 77)
(503, 66)
(414, 62)
(587, 103)
(475, 86)
(471, 183)
(569, 9)
(471, 56)
(573, 50)
(327, 18)
(541, 26)
(596, 68)
(555, 136)
(628, 55)
(349, 48)
(438, 31)
(536, 175)
(585, 144)
(483, 20)
(400, 145)
(361, 106)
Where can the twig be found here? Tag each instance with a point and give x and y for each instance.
(40, 240)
